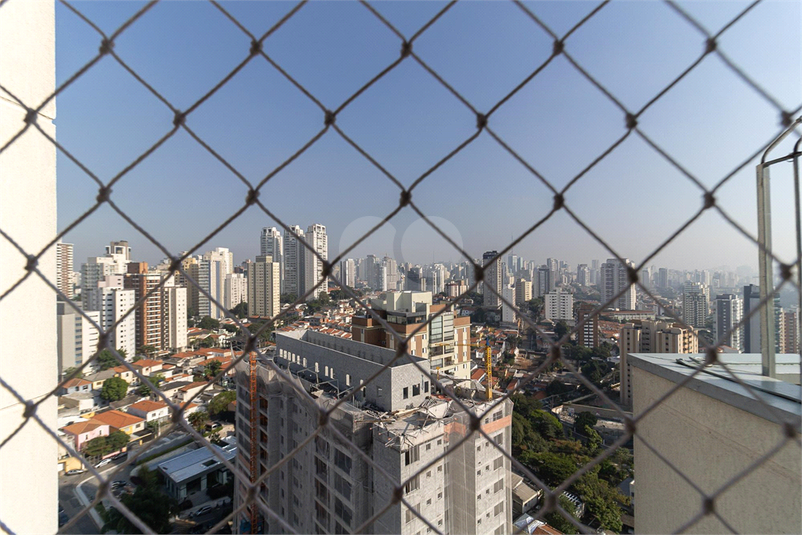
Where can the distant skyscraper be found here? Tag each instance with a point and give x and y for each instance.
(64, 268)
(96, 269)
(559, 305)
(583, 275)
(264, 289)
(523, 292)
(751, 331)
(790, 319)
(293, 258)
(662, 278)
(348, 272)
(391, 272)
(588, 336)
(545, 280)
(212, 270)
(694, 304)
(508, 313)
(236, 290)
(492, 278)
(112, 301)
(614, 279)
(149, 320)
(272, 245)
(317, 240)
(729, 311)
(415, 281)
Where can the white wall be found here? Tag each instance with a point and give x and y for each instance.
(27, 315)
(710, 441)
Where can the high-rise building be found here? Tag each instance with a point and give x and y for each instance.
(236, 290)
(264, 288)
(64, 269)
(614, 279)
(415, 281)
(312, 263)
(272, 244)
(293, 255)
(729, 311)
(662, 278)
(150, 317)
(583, 275)
(444, 342)
(589, 333)
(559, 305)
(456, 288)
(651, 337)
(327, 488)
(391, 273)
(348, 272)
(112, 300)
(492, 279)
(694, 304)
(545, 281)
(790, 320)
(751, 329)
(94, 270)
(523, 292)
(77, 338)
(212, 270)
(508, 313)
(190, 266)
(174, 316)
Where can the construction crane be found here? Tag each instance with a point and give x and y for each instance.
(488, 361)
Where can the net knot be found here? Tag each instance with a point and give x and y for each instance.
(406, 49)
(106, 46)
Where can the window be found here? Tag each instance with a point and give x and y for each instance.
(426, 386)
(416, 390)
(342, 486)
(428, 446)
(479, 496)
(378, 391)
(321, 514)
(499, 439)
(406, 392)
(412, 485)
(342, 461)
(409, 516)
(322, 447)
(498, 485)
(429, 501)
(428, 473)
(498, 463)
(498, 509)
(342, 511)
(499, 530)
(320, 468)
(411, 455)
(321, 491)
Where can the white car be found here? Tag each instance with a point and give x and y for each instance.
(104, 462)
(203, 510)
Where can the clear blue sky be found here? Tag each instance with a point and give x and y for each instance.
(559, 123)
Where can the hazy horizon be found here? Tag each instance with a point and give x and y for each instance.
(558, 122)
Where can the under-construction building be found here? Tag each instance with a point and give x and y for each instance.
(396, 422)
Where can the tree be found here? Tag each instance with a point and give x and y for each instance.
(601, 501)
(148, 351)
(72, 370)
(288, 298)
(535, 306)
(208, 323)
(557, 387)
(585, 419)
(221, 401)
(198, 419)
(560, 329)
(117, 441)
(213, 368)
(114, 389)
(556, 520)
(553, 468)
(95, 447)
(145, 390)
(106, 360)
(230, 328)
(148, 502)
(241, 310)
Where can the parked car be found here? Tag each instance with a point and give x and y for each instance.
(104, 462)
(121, 455)
(75, 471)
(203, 510)
(118, 483)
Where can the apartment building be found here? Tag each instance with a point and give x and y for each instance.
(444, 343)
(271, 243)
(729, 311)
(614, 279)
(77, 338)
(492, 271)
(311, 268)
(694, 304)
(589, 333)
(236, 290)
(396, 421)
(264, 287)
(651, 337)
(64, 269)
(112, 300)
(559, 305)
(212, 270)
(523, 292)
(150, 312)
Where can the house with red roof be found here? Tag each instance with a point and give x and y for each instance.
(83, 432)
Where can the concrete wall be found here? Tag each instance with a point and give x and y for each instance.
(710, 441)
(27, 315)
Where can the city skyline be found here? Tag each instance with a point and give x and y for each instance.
(633, 188)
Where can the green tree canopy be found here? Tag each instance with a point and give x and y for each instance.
(72, 370)
(147, 350)
(148, 502)
(560, 329)
(209, 323)
(585, 419)
(601, 501)
(213, 368)
(221, 401)
(106, 359)
(117, 441)
(241, 310)
(558, 521)
(114, 389)
(288, 298)
(198, 419)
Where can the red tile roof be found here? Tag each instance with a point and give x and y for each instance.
(148, 406)
(76, 382)
(79, 428)
(117, 419)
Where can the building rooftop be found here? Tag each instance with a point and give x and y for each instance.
(117, 419)
(83, 427)
(783, 397)
(193, 463)
(148, 406)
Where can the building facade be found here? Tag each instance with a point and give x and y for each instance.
(492, 279)
(729, 311)
(559, 305)
(614, 279)
(264, 287)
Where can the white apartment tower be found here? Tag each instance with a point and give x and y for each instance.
(113, 300)
(264, 287)
(64, 268)
(327, 487)
(212, 270)
(508, 313)
(174, 317)
(614, 278)
(236, 290)
(348, 272)
(559, 305)
(492, 278)
(77, 338)
(272, 245)
(729, 311)
(95, 270)
(523, 292)
(694, 304)
(312, 265)
(293, 253)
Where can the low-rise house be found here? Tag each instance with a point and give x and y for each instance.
(83, 432)
(84, 402)
(125, 402)
(125, 374)
(150, 411)
(75, 386)
(185, 393)
(121, 421)
(99, 378)
(148, 367)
